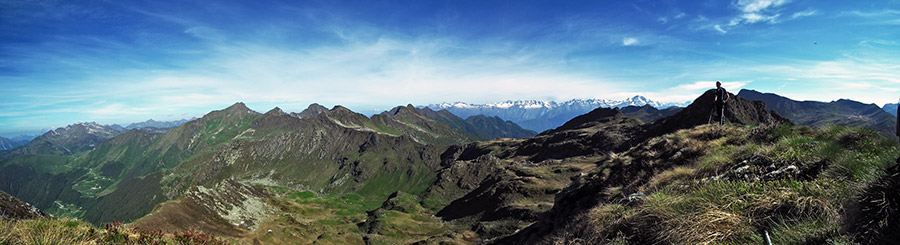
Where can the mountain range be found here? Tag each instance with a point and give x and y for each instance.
(9, 143)
(538, 115)
(818, 114)
(630, 175)
(890, 108)
(158, 124)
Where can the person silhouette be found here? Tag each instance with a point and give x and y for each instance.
(720, 100)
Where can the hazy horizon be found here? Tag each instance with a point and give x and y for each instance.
(122, 62)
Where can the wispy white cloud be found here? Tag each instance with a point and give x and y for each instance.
(755, 6)
(878, 17)
(629, 41)
(755, 11)
(805, 13)
(719, 29)
(877, 13)
(752, 12)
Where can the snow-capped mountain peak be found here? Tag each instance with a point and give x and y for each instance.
(539, 115)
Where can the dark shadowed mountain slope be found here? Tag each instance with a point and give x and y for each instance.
(11, 208)
(737, 111)
(408, 121)
(499, 186)
(445, 117)
(817, 114)
(479, 125)
(649, 114)
(495, 127)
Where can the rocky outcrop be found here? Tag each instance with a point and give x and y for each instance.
(225, 209)
(737, 111)
(11, 208)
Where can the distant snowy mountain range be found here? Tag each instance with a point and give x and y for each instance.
(540, 115)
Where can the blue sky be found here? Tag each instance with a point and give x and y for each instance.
(124, 61)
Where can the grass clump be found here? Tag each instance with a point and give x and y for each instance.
(70, 231)
(738, 211)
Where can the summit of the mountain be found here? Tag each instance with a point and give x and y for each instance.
(311, 111)
(401, 109)
(275, 112)
(737, 110)
(237, 107)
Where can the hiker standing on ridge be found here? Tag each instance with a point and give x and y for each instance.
(720, 100)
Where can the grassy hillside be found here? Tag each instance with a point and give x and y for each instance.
(723, 185)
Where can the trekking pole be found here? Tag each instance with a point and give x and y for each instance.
(722, 116)
(711, 111)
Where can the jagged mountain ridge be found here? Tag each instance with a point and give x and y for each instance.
(479, 125)
(67, 140)
(538, 115)
(125, 177)
(818, 114)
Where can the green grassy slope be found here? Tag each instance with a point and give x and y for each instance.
(722, 185)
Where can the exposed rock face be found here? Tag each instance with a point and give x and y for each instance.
(12, 208)
(226, 209)
(737, 111)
